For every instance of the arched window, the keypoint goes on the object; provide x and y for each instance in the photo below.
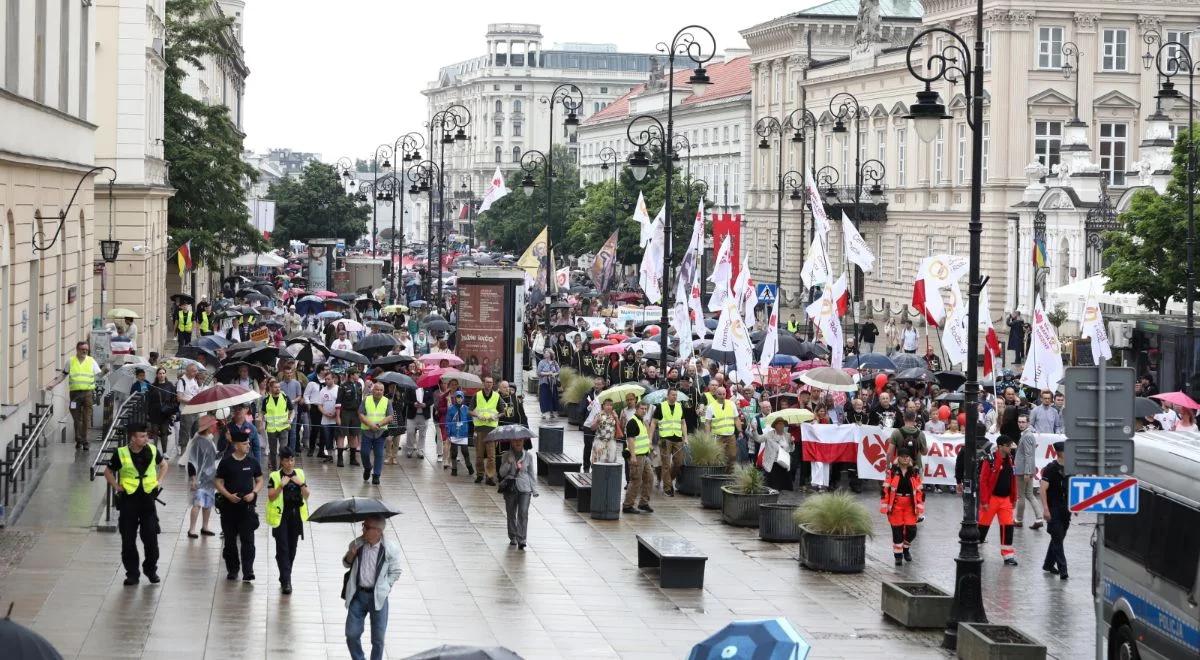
(499, 106)
(516, 106)
(498, 152)
(516, 154)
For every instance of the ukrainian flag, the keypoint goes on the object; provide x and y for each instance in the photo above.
(1039, 254)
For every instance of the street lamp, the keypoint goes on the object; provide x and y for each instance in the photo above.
(343, 168)
(422, 175)
(953, 63)
(531, 160)
(1069, 50)
(609, 155)
(383, 151)
(450, 124)
(683, 43)
(765, 128)
(846, 104)
(571, 98)
(1178, 59)
(406, 149)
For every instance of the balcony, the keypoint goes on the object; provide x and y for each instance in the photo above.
(869, 211)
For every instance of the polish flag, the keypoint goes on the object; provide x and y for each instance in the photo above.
(830, 443)
(991, 342)
(841, 295)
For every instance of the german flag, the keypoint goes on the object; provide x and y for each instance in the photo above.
(184, 257)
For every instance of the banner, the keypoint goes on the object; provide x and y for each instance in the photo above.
(642, 216)
(854, 247)
(1044, 368)
(816, 204)
(729, 224)
(533, 260)
(604, 264)
(650, 274)
(816, 270)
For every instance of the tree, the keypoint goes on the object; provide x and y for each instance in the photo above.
(316, 206)
(203, 145)
(515, 220)
(1148, 256)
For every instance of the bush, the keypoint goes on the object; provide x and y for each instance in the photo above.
(573, 387)
(705, 451)
(835, 514)
(749, 480)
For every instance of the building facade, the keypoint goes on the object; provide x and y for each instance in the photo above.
(713, 128)
(130, 73)
(47, 148)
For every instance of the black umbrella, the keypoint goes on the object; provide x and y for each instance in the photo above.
(351, 509)
(723, 357)
(951, 397)
(916, 375)
(183, 298)
(200, 354)
(346, 296)
(430, 318)
(389, 360)
(264, 356)
(21, 643)
(367, 302)
(302, 334)
(381, 326)
(211, 342)
(350, 356)
(363, 290)
(252, 295)
(876, 361)
(376, 343)
(244, 345)
(509, 432)
(950, 380)
(456, 652)
(563, 327)
(397, 379)
(229, 372)
(560, 305)
(266, 289)
(336, 302)
(907, 361)
(310, 346)
(1143, 407)
(439, 326)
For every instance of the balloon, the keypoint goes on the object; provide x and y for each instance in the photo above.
(595, 334)
(881, 381)
(944, 413)
(962, 420)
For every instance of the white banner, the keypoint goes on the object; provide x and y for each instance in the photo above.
(816, 204)
(722, 276)
(954, 336)
(1044, 369)
(855, 247)
(816, 269)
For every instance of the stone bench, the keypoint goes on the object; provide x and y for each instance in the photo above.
(552, 467)
(680, 564)
(578, 486)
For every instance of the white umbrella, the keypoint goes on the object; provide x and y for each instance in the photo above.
(828, 378)
(262, 259)
(1079, 290)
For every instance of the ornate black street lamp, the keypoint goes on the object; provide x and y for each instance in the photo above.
(344, 168)
(450, 125)
(424, 175)
(531, 160)
(765, 128)
(408, 149)
(571, 99)
(609, 155)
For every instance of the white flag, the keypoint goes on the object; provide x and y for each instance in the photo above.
(816, 204)
(652, 261)
(642, 216)
(771, 340)
(935, 273)
(1092, 327)
(683, 326)
(816, 265)
(562, 278)
(855, 247)
(722, 276)
(743, 293)
(954, 335)
(1044, 369)
(823, 312)
(495, 191)
(688, 288)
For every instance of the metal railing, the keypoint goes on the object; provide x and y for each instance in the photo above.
(21, 456)
(132, 409)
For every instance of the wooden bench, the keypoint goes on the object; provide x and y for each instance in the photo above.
(553, 466)
(578, 485)
(680, 564)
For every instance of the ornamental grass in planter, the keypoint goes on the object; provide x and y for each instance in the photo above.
(704, 456)
(573, 387)
(739, 504)
(836, 527)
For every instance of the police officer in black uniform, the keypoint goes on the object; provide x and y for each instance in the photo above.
(133, 474)
(239, 479)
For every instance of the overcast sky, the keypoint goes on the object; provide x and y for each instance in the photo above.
(339, 78)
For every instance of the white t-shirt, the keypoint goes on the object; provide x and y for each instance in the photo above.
(341, 345)
(910, 339)
(187, 388)
(328, 402)
(1167, 419)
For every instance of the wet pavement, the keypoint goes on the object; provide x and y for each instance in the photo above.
(575, 592)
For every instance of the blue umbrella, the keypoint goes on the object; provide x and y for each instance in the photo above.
(417, 303)
(764, 639)
(876, 361)
(782, 360)
(711, 324)
(329, 315)
(304, 306)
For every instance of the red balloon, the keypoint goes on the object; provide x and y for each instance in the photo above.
(596, 334)
(881, 381)
(944, 413)
(962, 420)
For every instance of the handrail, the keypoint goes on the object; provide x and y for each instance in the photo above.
(12, 472)
(118, 423)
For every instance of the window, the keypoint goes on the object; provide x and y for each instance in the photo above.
(1050, 41)
(603, 90)
(737, 133)
(516, 106)
(1047, 140)
(899, 256)
(725, 137)
(987, 147)
(516, 129)
(12, 45)
(845, 153)
(498, 152)
(704, 140)
(1113, 150)
(499, 126)
(939, 147)
(862, 145)
(953, 246)
(516, 154)
(495, 88)
(961, 157)
(1142, 537)
(1116, 49)
(881, 146)
(499, 106)
(901, 158)
(1171, 52)
(516, 88)
(879, 251)
(987, 49)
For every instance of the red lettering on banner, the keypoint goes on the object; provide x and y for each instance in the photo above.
(874, 449)
(1050, 453)
(934, 470)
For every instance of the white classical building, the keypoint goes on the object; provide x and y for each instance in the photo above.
(712, 129)
(47, 147)
(506, 91)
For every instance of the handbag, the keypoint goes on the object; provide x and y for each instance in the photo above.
(506, 485)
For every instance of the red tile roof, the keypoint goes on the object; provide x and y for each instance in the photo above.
(730, 78)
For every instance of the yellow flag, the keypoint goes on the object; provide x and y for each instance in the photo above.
(533, 260)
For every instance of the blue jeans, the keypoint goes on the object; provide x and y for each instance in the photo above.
(356, 616)
(372, 453)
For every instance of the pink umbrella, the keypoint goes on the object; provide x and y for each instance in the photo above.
(1177, 398)
(434, 358)
(608, 350)
(326, 294)
(218, 397)
(809, 364)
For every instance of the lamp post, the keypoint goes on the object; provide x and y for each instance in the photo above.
(450, 124)
(423, 175)
(343, 168)
(1178, 59)
(765, 128)
(407, 149)
(571, 99)
(467, 197)
(683, 43)
(952, 63)
(846, 104)
(1069, 50)
(531, 160)
(385, 152)
(609, 155)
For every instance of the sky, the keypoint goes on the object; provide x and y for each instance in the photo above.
(340, 78)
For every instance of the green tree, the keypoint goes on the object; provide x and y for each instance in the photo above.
(203, 145)
(316, 206)
(515, 220)
(1148, 255)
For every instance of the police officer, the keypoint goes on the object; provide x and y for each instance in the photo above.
(183, 324)
(287, 511)
(239, 479)
(133, 474)
(672, 434)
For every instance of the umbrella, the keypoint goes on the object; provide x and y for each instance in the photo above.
(435, 358)
(306, 350)
(509, 432)
(563, 327)
(312, 299)
(429, 318)
(122, 313)
(349, 356)
(334, 302)
(764, 639)
(121, 378)
(805, 365)
(347, 297)
(395, 309)
(951, 397)
(617, 393)
(265, 288)
(456, 652)
(389, 360)
(431, 377)
(176, 365)
(182, 298)
(560, 305)
(265, 355)
(950, 380)
(1177, 398)
(397, 379)
(350, 325)
(252, 296)
(230, 371)
(217, 397)
(597, 343)
(711, 324)
(203, 355)
(906, 361)
(381, 326)
(439, 326)
(211, 342)
(418, 303)
(243, 346)
(1143, 407)
(807, 349)
(777, 400)
(916, 375)
(351, 509)
(609, 349)
(828, 378)
(789, 415)
(658, 396)
(784, 361)
(301, 335)
(329, 315)
(647, 347)
(466, 381)
(325, 294)
(723, 357)
(21, 643)
(875, 361)
(376, 343)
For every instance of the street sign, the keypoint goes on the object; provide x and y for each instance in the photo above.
(767, 293)
(1081, 417)
(1103, 495)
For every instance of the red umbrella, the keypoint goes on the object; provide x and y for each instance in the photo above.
(809, 364)
(326, 294)
(618, 337)
(652, 331)
(1177, 398)
(431, 377)
(218, 397)
(597, 343)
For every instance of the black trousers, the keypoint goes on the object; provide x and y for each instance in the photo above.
(287, 535)
(238, 523)
(588, 439)
(314, 429)
(138, 517)
(1056, 557)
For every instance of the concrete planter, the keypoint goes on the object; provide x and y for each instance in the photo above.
(982, 641)
(688, 481)
(833, 554)
(742, 510)
(777, 523)
(710, 489)
(916, 604)
(576, 413)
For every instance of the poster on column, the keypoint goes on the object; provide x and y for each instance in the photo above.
(487, 329)
(729, 224)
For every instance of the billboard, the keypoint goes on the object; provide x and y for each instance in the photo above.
(488, 324)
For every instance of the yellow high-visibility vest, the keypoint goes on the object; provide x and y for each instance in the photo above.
(275, 506)
(183, 321)
(204, 322)
(275, 413)
(641, 443)
(671, 424)
(723, 420)
(792, 327)
(483, 406)
(128, 476)
(376, 412)
(82, 374)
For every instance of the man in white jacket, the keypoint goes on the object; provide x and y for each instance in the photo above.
(374, 567)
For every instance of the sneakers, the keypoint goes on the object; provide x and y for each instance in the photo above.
(646, 508)
(1062, 576)
(247, 577)
(1050, 569)
(366, 475)
(520, 546)
(1010, 561)
(421, 454)
(1036, 525)
(1018, 523)
(374, 481)
(439, 458)
(629, 509)
(899, 560)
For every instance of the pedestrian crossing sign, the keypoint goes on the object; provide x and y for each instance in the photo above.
(767, 293)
